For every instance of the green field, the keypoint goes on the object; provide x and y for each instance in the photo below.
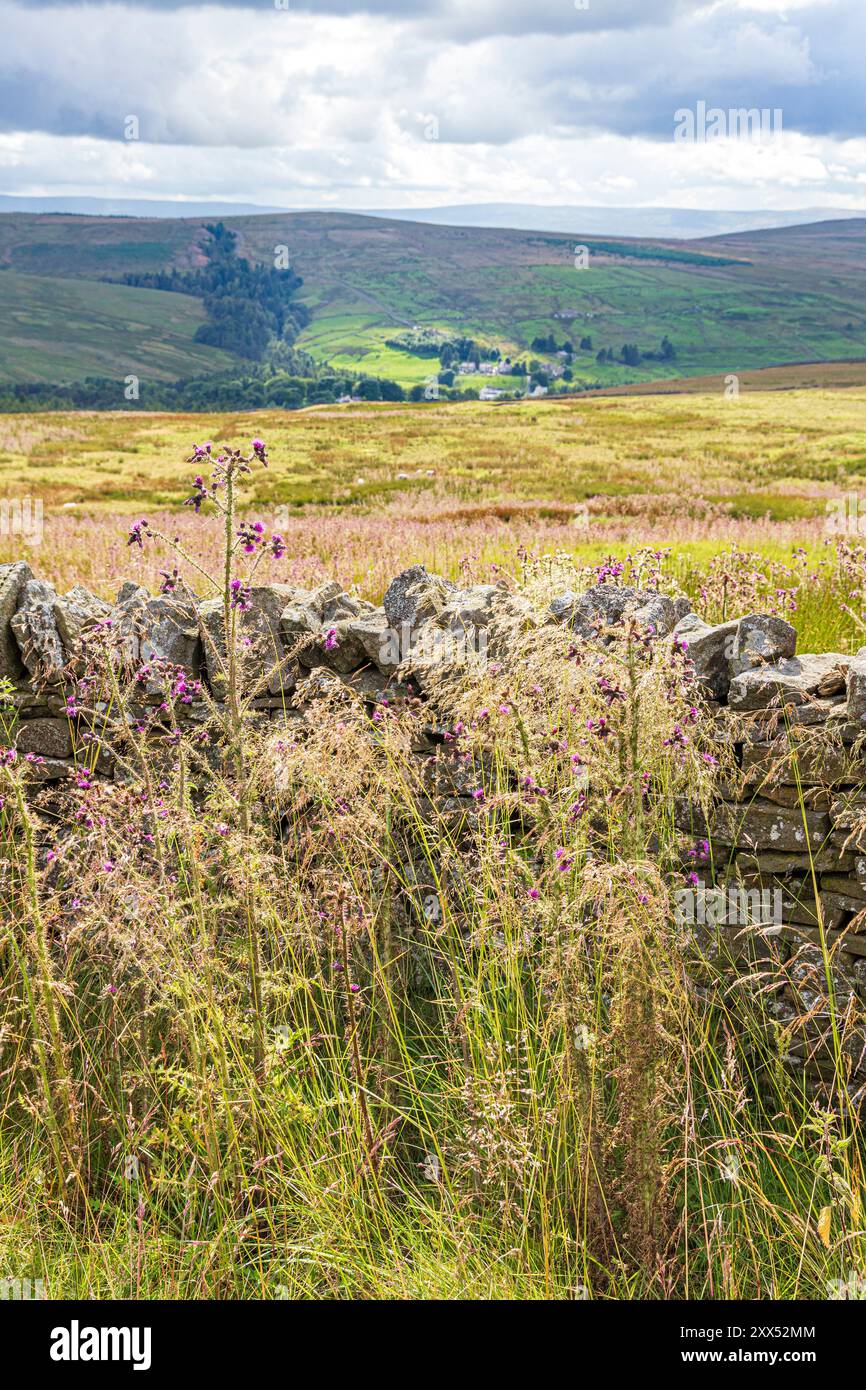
(736, 303)
(64, 330)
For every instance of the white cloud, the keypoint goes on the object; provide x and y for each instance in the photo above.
(333, 102)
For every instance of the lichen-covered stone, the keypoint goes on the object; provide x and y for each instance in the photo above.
(51, 738)
(415, 596)
(856, 689)
(35, 629)
(810, 763)
(148, 629)
(604, 605)
(793, 680)
(76, 613)
(12, 581)
(762, 640)
(264, 656)
(710, 650)
(660, 613)
(608, 605)
(756, 825)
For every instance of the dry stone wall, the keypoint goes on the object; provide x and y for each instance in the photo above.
(779, 869)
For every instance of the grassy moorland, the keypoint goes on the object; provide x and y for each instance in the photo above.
(361, 492)
(276, 1025)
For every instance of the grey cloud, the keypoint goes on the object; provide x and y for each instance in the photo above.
(489, 71)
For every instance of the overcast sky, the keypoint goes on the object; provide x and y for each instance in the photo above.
(389, 104)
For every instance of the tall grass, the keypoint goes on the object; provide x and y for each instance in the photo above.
(392, 1003)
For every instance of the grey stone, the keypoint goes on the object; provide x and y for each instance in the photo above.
(343, 645)
(36, 632)
(710, 649)
(851, 887)
(170, 631)
(473, 610)
(758, 825)
(317, 599)
(780, 863)
(607, 605)
(345, 606)
(812, 762)
(604, 605)
(78, 612)
(660, 612)
(855, 687)
(790, 681)
(161, 628)
(12, 581)
(49, 769)
(373, 636)
(298, 624)
(414, 596)
(127, 619)
(264, 653)
(762, 640)
(798, 903)
(50, 738)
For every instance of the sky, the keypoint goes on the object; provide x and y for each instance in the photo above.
(334, 103)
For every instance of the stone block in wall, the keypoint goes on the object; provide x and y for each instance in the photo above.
(76, 614)
(607, 605)
(35, 628)
(797, 900)
(856, 689)
(12, 581)
(298, 621)
(828, 858)
(851, 943)
(415, 596)
(794, 680)
(756, 825)
(814, 798)
(265, 662)
(709, 649)
(350, 643)
(763, 725)
(49, 769)
(849, 808)
(849, 886)
(162, 628)
(50, 738)
(816, 762)
(761, 640)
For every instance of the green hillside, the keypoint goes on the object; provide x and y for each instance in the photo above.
(59, 330)
(730, 304)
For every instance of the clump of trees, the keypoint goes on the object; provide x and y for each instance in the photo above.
(248, 307)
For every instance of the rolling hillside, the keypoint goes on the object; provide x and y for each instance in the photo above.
(729, 304)
(55, 329)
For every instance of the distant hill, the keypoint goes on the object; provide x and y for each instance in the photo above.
(677, 223)
(665, 222)
(727, 303)
(130, 207)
